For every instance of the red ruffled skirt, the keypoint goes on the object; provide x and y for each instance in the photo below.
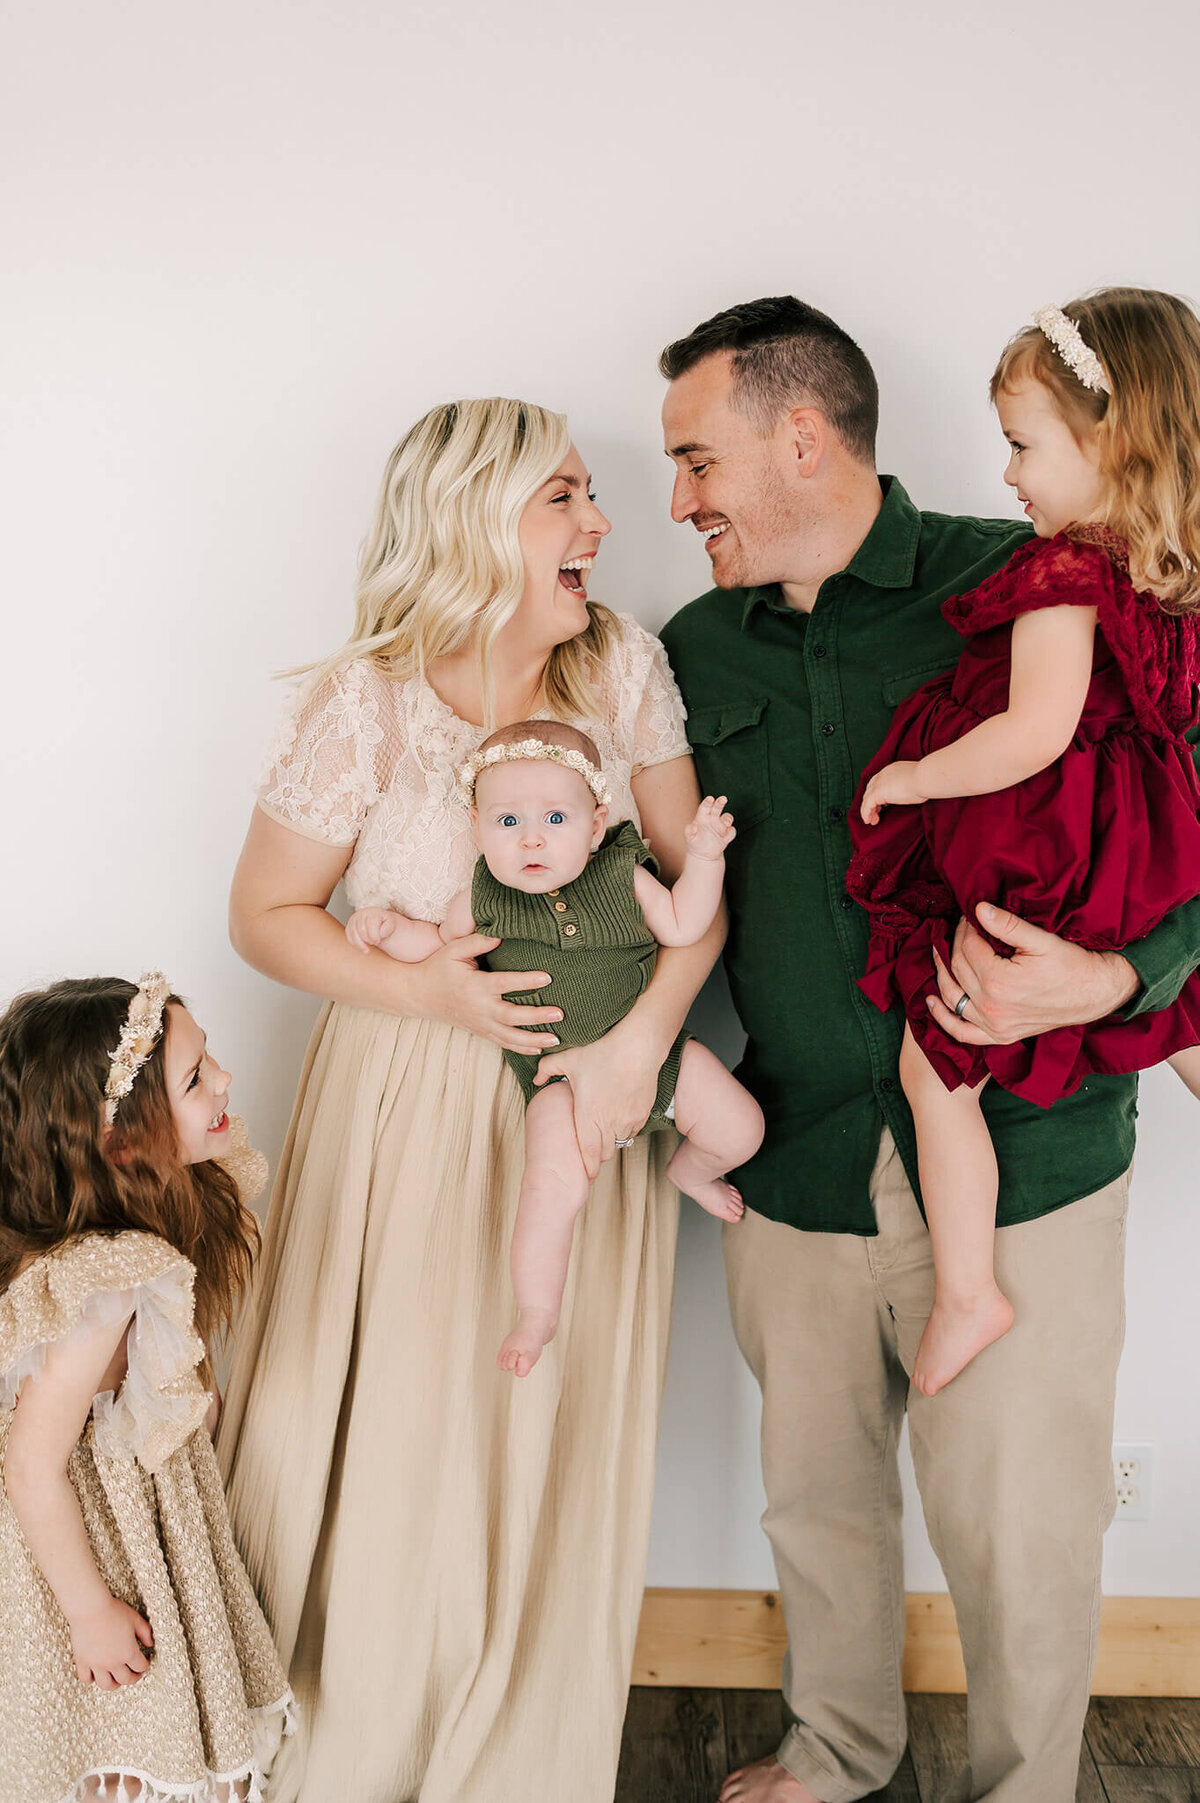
(1098, 848)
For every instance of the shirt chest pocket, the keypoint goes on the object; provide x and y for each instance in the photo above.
(729, 743)
(898, 688)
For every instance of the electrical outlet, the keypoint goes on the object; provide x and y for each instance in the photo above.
(1133, 1472)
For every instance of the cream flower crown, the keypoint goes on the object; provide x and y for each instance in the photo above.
(139, 1036)
(1067, 340)
(520, 749)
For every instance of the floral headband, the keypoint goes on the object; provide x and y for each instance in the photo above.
(521, 749)
(1067, 340)
(139, 1036)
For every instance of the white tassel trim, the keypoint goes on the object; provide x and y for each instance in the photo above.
(271, 1724)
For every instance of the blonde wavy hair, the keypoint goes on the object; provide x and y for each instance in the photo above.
(441, 564)
(1149, 439)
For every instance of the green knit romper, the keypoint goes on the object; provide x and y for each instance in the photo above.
(592, 939)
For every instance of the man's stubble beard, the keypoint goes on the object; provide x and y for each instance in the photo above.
(780, 522)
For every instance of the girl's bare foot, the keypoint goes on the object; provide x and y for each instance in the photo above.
(765, 1781)
(691, 1172)
(523, 1347)
(955, 1332)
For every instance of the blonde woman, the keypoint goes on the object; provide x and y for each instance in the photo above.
(453, 1564)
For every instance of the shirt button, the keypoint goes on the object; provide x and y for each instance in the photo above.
(847, 902)
(886, 1085)
(828, 729)
(559, 907)
(569, 929)
(552, 892)
(820, 650)
(837, 813)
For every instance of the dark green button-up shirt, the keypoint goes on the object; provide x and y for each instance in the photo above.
(784, 710)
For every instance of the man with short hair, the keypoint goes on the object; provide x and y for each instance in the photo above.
(825, 614)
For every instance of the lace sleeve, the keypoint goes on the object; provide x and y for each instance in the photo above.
(321, 772)
(658, 732)
(1043, 572)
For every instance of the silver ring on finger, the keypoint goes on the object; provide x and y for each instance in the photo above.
(624, 1142)
(961, 1003)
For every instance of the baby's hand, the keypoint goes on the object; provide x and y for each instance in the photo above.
(370, 926)
(711, 830)
(896, 785)
(111, 1645)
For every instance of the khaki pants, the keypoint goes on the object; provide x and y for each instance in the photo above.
(1014, 1463)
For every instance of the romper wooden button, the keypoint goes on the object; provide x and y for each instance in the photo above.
(552, 892)
(560, 907)
(568, 930)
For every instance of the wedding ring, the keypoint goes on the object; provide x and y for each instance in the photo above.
(961, 1003)
(624, 1142)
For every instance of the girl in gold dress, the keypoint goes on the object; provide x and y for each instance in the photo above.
(135, 1662)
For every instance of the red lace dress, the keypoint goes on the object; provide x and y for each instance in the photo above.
(1098, 847)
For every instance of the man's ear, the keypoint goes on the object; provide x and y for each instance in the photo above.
(599, 822)
(808, 437)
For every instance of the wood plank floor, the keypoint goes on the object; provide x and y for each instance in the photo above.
(679, 1744)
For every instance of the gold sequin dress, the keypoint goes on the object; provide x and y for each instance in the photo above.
(212, 1707)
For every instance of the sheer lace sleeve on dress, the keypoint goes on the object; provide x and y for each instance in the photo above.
(321, 774)
(654, 701)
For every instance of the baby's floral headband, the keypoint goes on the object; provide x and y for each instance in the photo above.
(139, 1036)
(1067, 340)
(520, 749)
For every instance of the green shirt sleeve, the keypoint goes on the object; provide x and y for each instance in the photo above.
(1166, 958)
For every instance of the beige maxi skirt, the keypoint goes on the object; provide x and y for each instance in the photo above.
(451, 1559)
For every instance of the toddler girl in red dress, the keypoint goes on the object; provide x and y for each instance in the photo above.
(1048, 773)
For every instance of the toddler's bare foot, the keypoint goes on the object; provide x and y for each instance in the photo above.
(954, 1333)
(765, 1781)
(523, 1347)
(691, 1172)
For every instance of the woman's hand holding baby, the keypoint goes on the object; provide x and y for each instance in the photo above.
(448, 986)
(897, 785)
(613, 1085)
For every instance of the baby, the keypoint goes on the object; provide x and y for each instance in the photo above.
(566, 893)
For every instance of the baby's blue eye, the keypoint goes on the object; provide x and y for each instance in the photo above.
(508, 820)
(554, 818)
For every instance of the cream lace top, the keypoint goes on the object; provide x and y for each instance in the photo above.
(371, 760)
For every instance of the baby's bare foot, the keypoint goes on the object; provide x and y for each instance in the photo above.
(719, 1198)
(691, 1172)
(765, 1781)
(954, 1333)
(523, 1348)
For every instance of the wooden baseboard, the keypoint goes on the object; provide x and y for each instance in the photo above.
(734, 1640)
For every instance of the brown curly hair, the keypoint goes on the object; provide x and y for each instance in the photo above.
(1149, 439)
(62, 1175)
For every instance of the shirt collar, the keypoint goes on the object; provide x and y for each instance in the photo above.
(887, 557)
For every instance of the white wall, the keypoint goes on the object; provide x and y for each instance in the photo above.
(246, 244)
